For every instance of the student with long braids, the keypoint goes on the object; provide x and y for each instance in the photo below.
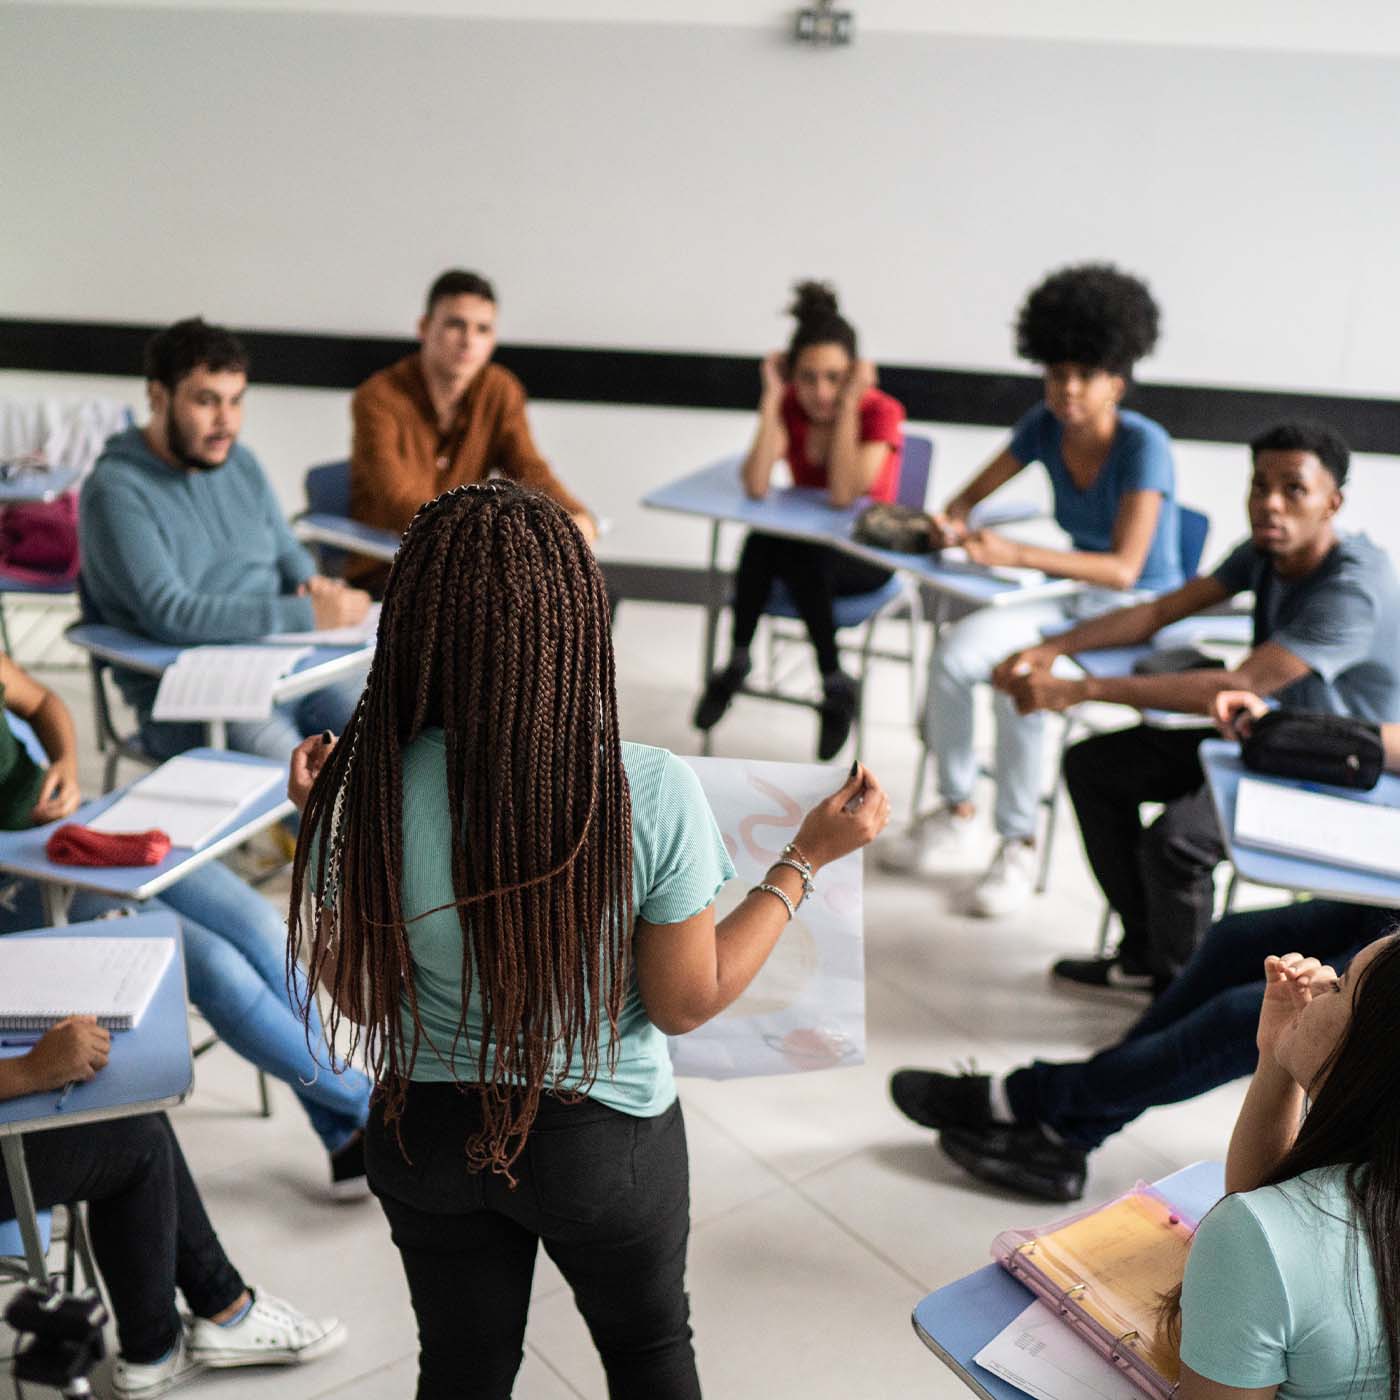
(1292, 1286)
(822, 414)
(518, 907)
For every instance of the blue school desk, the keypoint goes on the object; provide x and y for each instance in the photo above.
(26, 484)
(22, 852)
(955, 1322)
(322, 667)
(1221, 760)
(714, 493)
(150, 1068)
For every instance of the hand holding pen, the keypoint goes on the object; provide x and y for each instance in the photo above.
(70, 1053)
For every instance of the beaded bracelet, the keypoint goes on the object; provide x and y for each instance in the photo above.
(790, 851)
(804, 871)
(773, 889)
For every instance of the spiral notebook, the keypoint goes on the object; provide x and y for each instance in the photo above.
(45, 980)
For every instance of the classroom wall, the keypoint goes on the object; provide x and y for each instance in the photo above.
(658, 184)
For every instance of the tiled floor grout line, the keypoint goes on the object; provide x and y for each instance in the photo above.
(554, 1370)
(346, 1382)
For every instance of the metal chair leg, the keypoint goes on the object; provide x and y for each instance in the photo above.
(1105, 929)
(264, 1098)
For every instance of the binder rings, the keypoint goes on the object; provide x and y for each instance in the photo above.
(1106, 1273)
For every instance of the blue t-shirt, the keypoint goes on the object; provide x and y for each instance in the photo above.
(1343, 620)
(1140, 459)
(679, 864)
(1280, 1290)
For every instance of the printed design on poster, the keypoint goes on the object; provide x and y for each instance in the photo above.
(806, 1009)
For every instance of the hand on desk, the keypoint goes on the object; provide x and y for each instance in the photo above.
(334, 603)
(991, 549)
(308, 758)
(58, 793)
(71, 1052)
(947, 531)
(1234, 712)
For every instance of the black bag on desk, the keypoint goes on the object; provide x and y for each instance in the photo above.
(888, 526)
(1333, 749)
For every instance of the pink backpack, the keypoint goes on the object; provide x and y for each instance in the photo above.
(39, 541)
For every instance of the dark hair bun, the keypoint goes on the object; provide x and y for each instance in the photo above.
(814, 301)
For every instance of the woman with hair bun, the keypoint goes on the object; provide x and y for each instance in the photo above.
(821, 412)
(1114, 490)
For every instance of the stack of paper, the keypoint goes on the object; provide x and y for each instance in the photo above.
(224, 682)
(1347, 831)
(1040, 1355)
(46, 980)
(190, 799)
(358, 634)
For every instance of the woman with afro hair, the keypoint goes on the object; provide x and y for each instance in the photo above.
(1114, 491)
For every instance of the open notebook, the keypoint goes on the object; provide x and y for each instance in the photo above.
(45, 980)
(190, 799)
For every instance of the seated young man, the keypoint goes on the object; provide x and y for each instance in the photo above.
(1326, 638)
(1032, 1130)
(444, 416)
(183, 541)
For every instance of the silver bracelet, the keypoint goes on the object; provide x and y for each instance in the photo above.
(805, 871)
(773, 889)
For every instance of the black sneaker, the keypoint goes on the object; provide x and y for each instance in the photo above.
(840, 700)
(722, 688)
(348, 1179)
(1020, 1158)
(934, 1100)
(1105, 976)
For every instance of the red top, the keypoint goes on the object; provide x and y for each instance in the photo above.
(881, 420)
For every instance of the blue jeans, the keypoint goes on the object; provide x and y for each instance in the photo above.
(274, 737)
(235, 951)
(1199, 1032)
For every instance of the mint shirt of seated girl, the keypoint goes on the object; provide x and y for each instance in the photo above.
(679, 865)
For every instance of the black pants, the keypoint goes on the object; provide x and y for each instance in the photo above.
(149, 1230)
(813, 574)
(1158, 878)
(607, 1194)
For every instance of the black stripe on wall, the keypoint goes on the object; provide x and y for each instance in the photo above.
(668, 379)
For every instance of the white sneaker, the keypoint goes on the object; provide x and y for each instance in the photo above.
(270, 1333)
(928, 846)
(135, 1380)
(1009, 881)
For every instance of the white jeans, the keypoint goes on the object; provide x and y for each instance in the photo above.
(967, 653)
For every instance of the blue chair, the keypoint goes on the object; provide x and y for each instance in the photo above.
(328, 493)
(897, 597)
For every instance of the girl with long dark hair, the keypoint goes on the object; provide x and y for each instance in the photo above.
(517, 907)
(821, 413)
(1293, 1282)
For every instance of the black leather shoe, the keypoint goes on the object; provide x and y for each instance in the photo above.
(1107, 977)
(934, 1100)
(1020, 1158)
(840, 700)
(722, 688)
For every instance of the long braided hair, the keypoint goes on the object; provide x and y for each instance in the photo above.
(495, 628)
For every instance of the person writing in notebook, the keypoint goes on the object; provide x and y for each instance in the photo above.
(519, 907)
(1114, 487)
(234, 939)
(1033, 1129)
(1326, 638)
(150, 1234)
(441, 417)
(183, 542)
(821, 413)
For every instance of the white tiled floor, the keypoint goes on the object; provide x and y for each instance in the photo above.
(820, 1215)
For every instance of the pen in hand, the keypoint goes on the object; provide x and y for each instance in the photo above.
(63, 1097)
(855, 803)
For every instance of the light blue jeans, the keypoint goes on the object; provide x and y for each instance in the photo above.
(966, 655)
(274, 737)
(235, 951)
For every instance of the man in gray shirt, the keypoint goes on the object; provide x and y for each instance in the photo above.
(1326, 637)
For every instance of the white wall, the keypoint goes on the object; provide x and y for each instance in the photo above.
(659, 185)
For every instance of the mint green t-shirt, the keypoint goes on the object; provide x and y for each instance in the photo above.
(1280, 1290)
(679, 864)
